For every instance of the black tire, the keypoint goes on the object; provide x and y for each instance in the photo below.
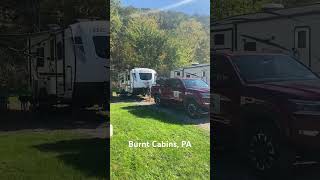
(192, 109)
(267, 153)
(158, 100)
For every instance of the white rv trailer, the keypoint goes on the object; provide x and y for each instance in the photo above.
(291, 31)
(71, 65)
(201, 71)
(136, 81)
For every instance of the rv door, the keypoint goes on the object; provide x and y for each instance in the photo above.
(302, 45)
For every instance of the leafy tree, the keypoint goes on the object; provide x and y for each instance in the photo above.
(188, 37)
(159, 40)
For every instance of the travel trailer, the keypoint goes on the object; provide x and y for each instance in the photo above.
(136, 81)
(201, 71)
(70, 65)
(292, 31)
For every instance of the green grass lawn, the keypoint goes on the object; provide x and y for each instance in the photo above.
(142, 123)
(52, 155)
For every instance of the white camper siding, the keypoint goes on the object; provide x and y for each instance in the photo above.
(87, 59)
(36, 43)
(73, 68)
(176, 73)
(43, 74)
(282, 35)
(198, 71)
(202, 72)
(130, 81)
(274, 32)
(285, 35)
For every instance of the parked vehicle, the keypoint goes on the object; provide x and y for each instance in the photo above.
(295, 32)
(137, 81)
(70, 65)
(268, 105)
(193, 94)
(201, 71)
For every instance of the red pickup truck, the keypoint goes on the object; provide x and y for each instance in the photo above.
(193, 94)
(268, 105)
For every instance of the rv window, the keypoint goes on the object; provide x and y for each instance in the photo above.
(188, 75)
(250, 46)
(145, 76)
(40, 59)
(219, 39)
(302, 39)
(59, 50)
(203, 73)
(101, 45)
(178, 73)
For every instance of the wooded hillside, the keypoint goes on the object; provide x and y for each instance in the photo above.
(159, 40)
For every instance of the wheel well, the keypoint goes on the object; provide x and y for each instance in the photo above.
(253, 114)
(188, 99)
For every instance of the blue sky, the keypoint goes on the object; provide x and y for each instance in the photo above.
(201, 7)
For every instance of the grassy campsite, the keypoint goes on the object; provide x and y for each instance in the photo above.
(143, 123)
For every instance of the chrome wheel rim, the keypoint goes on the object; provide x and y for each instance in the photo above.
(262, 152)
(192, 109)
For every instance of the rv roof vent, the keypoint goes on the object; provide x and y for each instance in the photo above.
(195, 64)
(272, 7)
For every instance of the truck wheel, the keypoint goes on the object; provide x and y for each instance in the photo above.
(192, 109)
(157, 100)
(267, 153)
